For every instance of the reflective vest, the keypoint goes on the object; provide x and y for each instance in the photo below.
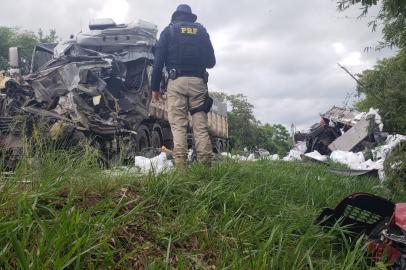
(187, 49)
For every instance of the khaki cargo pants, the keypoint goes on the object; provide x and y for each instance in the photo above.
(186, 93)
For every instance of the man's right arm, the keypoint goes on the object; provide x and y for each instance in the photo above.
(161, 53)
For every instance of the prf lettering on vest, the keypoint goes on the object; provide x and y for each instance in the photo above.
(188, 30)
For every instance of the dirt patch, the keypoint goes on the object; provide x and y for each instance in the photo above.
(82, 200)
(139, 246)
(136, 246)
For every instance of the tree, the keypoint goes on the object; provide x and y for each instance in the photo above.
(274, 138)
(243, 128)
(246, 131)
(50, 38)
(384, 87)
(25, 40)
(392, 14)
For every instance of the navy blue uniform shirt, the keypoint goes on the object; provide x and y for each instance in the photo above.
(161, 56)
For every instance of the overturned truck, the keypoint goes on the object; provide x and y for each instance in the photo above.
(95, 87)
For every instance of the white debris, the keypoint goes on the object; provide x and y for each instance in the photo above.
(355, 161)
(316, 155)
(352, 160)
(190, 153)
(143, 163)
(378, 118)
(235, 157)
(301, 146)
(381, 175)
(296, 152)
(273, 157)
(384, 151)
(157, 164)
(348, 139)
(371, 165)
(293, 155)
(364, 115)
(263, 153)
(225, 154)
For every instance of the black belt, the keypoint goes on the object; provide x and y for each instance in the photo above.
(174, 73)
(190, 74)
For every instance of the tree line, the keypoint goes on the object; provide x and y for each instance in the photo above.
(384, 86)
(246, 131)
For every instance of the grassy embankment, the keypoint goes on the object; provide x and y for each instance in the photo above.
(60, 210)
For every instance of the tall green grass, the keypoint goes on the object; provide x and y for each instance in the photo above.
(61, 210)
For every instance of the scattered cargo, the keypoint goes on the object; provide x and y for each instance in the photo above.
(355, 139)
(343, 129)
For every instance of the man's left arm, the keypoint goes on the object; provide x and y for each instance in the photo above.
(211, 58)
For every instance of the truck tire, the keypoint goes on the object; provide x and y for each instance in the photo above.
(142, 138)
(167, 137)
(156, 141)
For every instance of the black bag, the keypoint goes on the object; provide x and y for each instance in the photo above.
(205, 107)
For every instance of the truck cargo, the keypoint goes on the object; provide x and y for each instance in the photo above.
(94, 87)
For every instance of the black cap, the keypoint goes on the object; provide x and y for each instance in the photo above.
(184, 9)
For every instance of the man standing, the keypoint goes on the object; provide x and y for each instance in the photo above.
(185, 49)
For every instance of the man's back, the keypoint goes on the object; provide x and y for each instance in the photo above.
(183, 45)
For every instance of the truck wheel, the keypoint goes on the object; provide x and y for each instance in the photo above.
(167, 137)
(216, 146)
(142, 138)
(156, 141)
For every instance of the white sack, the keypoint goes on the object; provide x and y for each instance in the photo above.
(157, 164)
(316, 155)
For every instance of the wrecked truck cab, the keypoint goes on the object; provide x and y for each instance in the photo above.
(93, 87)
(103, 92)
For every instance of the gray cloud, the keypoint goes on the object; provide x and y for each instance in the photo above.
(281, 54)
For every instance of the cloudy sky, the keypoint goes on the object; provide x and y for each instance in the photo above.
(282, 54)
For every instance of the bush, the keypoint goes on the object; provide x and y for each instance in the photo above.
(395, 168)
